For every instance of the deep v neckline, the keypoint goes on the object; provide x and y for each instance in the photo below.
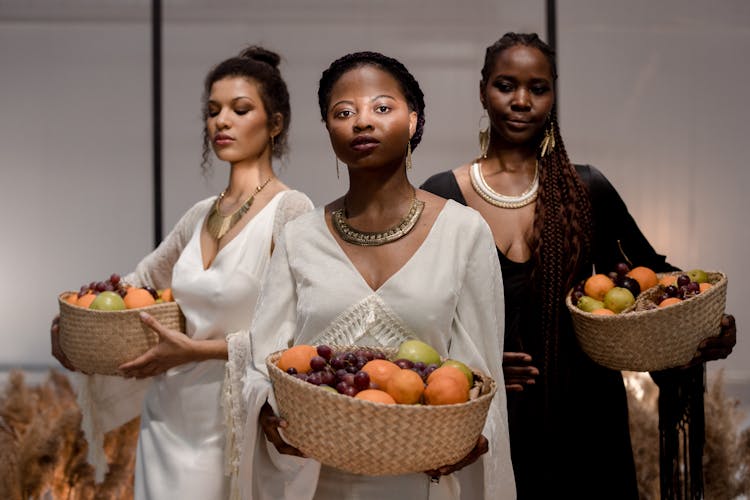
(355, 270)
(221, 250)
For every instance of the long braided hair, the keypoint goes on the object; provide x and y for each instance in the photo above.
(561, 237)
(409, 85)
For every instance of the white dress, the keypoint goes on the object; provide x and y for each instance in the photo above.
(448, 294)
(181, 446)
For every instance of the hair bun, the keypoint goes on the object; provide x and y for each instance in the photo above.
(262, 55)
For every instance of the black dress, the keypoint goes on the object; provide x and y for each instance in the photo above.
(589, 453)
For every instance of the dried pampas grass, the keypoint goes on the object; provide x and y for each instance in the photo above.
(43, 451)
(726, 455)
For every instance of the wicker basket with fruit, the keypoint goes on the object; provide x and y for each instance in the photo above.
(100, 326)
(660, 327)
(412, 419)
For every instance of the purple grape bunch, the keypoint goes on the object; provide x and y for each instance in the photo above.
(112, 284)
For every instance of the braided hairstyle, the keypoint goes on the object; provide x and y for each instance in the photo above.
(409, 85)
(561, 237)
(259, 66)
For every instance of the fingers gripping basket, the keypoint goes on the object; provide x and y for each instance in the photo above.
(100, 341)
(648, 338)
(363, 437)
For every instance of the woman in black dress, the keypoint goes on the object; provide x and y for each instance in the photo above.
(554, 222)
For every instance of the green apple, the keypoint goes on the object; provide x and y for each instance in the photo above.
(461, 366)
(618, 299)
(698, 275)
(108, 301)
(416, 350)
(589, 304)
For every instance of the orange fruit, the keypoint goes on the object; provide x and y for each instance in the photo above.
(704, 286)
(446, 391)
(603, 312)
(380, 370)
(166, 295)
(138, 297)
(297, 357)
(670, 301)
(405, 386)
(448, 371)
(597, 286)
(86, 299)
(644, 276)
(71, 298)
(668, 280)
(375, 395)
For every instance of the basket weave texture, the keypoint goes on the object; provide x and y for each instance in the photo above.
(376, 439)
(100, 341)
(648, 338)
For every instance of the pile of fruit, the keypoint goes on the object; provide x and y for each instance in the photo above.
(416, 375)
(617, 291)
(113, 294)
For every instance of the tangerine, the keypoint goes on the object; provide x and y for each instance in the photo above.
(138, 297)
(375, 395)
(446, 391)
(597, 286)
(668, 280)
(166, 295)
(448, 371)
(380, 370)
(670, 301)
(645, 277)
(71, 298)
(704, 286)
(86, 299)
(406, 386)
(297, 357)
(603, 312)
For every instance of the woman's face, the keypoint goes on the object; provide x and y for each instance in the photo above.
(236, 120)
(518, 94)
(368, 119)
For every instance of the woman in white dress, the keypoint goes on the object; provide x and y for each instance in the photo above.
(214, 260)
(381, 264)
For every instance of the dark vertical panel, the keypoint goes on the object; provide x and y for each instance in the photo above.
(156, 22)
(552, 36)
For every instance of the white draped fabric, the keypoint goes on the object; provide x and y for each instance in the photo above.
(448, 294)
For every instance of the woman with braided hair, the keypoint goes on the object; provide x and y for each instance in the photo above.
(551, 224)
(354, 273)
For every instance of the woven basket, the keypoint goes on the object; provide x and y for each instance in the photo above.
(648, 338)
(376, 439)
(100, 341)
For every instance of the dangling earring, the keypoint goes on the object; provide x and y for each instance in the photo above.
(548, 141)
(337, 166)
(273, 145)
(408, 155)
(484, 135)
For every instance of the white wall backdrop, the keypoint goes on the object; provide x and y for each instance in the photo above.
(652, 94)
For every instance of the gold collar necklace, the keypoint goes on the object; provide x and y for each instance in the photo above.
(500, 200)
(218, 225)
(367, 239)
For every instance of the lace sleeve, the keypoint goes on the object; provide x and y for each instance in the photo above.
(155, 269)
(292, 205)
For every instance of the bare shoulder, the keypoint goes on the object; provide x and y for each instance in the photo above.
(462, 175)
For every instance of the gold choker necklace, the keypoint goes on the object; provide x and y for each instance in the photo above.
(218, 225)
(367, 239)
(500, 200)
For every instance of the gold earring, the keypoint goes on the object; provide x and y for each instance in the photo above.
(484, 135)
(337, 167)
(408, 155)
(548, 141)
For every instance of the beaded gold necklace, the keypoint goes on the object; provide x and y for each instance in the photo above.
(373, 239)
(218, 225)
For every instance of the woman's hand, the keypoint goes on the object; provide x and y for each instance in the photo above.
(719, 346)
(518, 371)
(174, 348)
(479, 449)
(57, 352)
(270, 423)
